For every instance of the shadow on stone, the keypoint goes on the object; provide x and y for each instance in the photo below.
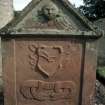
(1, 99)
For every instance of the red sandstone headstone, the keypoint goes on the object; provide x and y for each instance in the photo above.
(46, 61)
(48, 71)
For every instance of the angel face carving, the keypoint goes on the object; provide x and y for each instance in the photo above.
(51, 11)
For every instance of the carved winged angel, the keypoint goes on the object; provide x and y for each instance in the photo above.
(52, 13)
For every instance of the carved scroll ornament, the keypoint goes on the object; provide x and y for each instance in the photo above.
(52, 91)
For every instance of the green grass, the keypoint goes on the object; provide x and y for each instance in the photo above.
(101, 71)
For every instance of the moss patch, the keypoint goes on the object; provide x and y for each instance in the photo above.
(101, 72)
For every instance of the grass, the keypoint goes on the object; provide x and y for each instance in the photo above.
(101, 72)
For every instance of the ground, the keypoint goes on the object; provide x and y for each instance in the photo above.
(100, 94)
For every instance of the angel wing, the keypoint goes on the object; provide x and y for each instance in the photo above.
(64, 23)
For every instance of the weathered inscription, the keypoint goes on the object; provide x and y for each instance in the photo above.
(52, 91)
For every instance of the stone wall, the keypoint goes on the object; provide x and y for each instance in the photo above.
(101, 43)
(6, 15)
(6, 12)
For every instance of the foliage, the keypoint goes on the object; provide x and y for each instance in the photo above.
(93, 9)
(101, 72)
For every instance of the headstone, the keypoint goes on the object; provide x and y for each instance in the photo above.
(46, 60)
